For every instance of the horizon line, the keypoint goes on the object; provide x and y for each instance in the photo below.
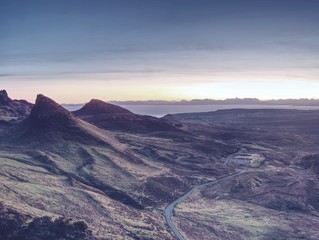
(199, 100)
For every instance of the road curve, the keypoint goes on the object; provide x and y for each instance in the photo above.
(170, 208)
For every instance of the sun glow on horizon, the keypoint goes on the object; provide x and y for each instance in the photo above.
(159, 50)
(125, 90)
(263, 90)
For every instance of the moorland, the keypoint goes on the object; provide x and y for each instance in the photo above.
(104, 172)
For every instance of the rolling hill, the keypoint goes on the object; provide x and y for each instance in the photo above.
(111, 117)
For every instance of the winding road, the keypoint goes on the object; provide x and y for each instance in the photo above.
(170, 208)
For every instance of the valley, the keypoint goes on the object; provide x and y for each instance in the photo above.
(227, 174)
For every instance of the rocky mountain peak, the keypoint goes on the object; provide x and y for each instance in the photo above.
(4, 98)
(13, 108)
(45, 109)
(96, 106)
(3, 93)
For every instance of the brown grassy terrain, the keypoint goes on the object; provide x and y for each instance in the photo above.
(277, 199)
(54, 164)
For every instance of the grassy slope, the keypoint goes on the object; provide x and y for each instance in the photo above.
(104, 177)
(37, 191)
(97, 181)
(278, 200)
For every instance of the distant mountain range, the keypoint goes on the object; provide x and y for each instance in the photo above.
(229, 101)
(300, 102)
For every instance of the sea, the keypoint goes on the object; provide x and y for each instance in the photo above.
(162, 110)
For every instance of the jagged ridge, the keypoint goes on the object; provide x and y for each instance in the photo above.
(13, 108)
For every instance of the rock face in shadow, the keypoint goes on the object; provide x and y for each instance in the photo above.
(111, 117)
(13, 108)
(311, 163)
(14, 225)
(50, 122)
(46, 113)
(4, 98)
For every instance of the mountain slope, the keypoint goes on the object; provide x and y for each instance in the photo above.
(96, 106)
(111, 117)
(49, 122)
(55, 164)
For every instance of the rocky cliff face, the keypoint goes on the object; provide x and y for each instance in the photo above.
(47, 113)
(49, 122)
(13, 108)
(15, 225)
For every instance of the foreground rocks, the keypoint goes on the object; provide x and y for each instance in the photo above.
(14, 225)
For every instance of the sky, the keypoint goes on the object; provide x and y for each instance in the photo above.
(75, 50)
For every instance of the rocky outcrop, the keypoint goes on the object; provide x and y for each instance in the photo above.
(14, 225)
(13, 108)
